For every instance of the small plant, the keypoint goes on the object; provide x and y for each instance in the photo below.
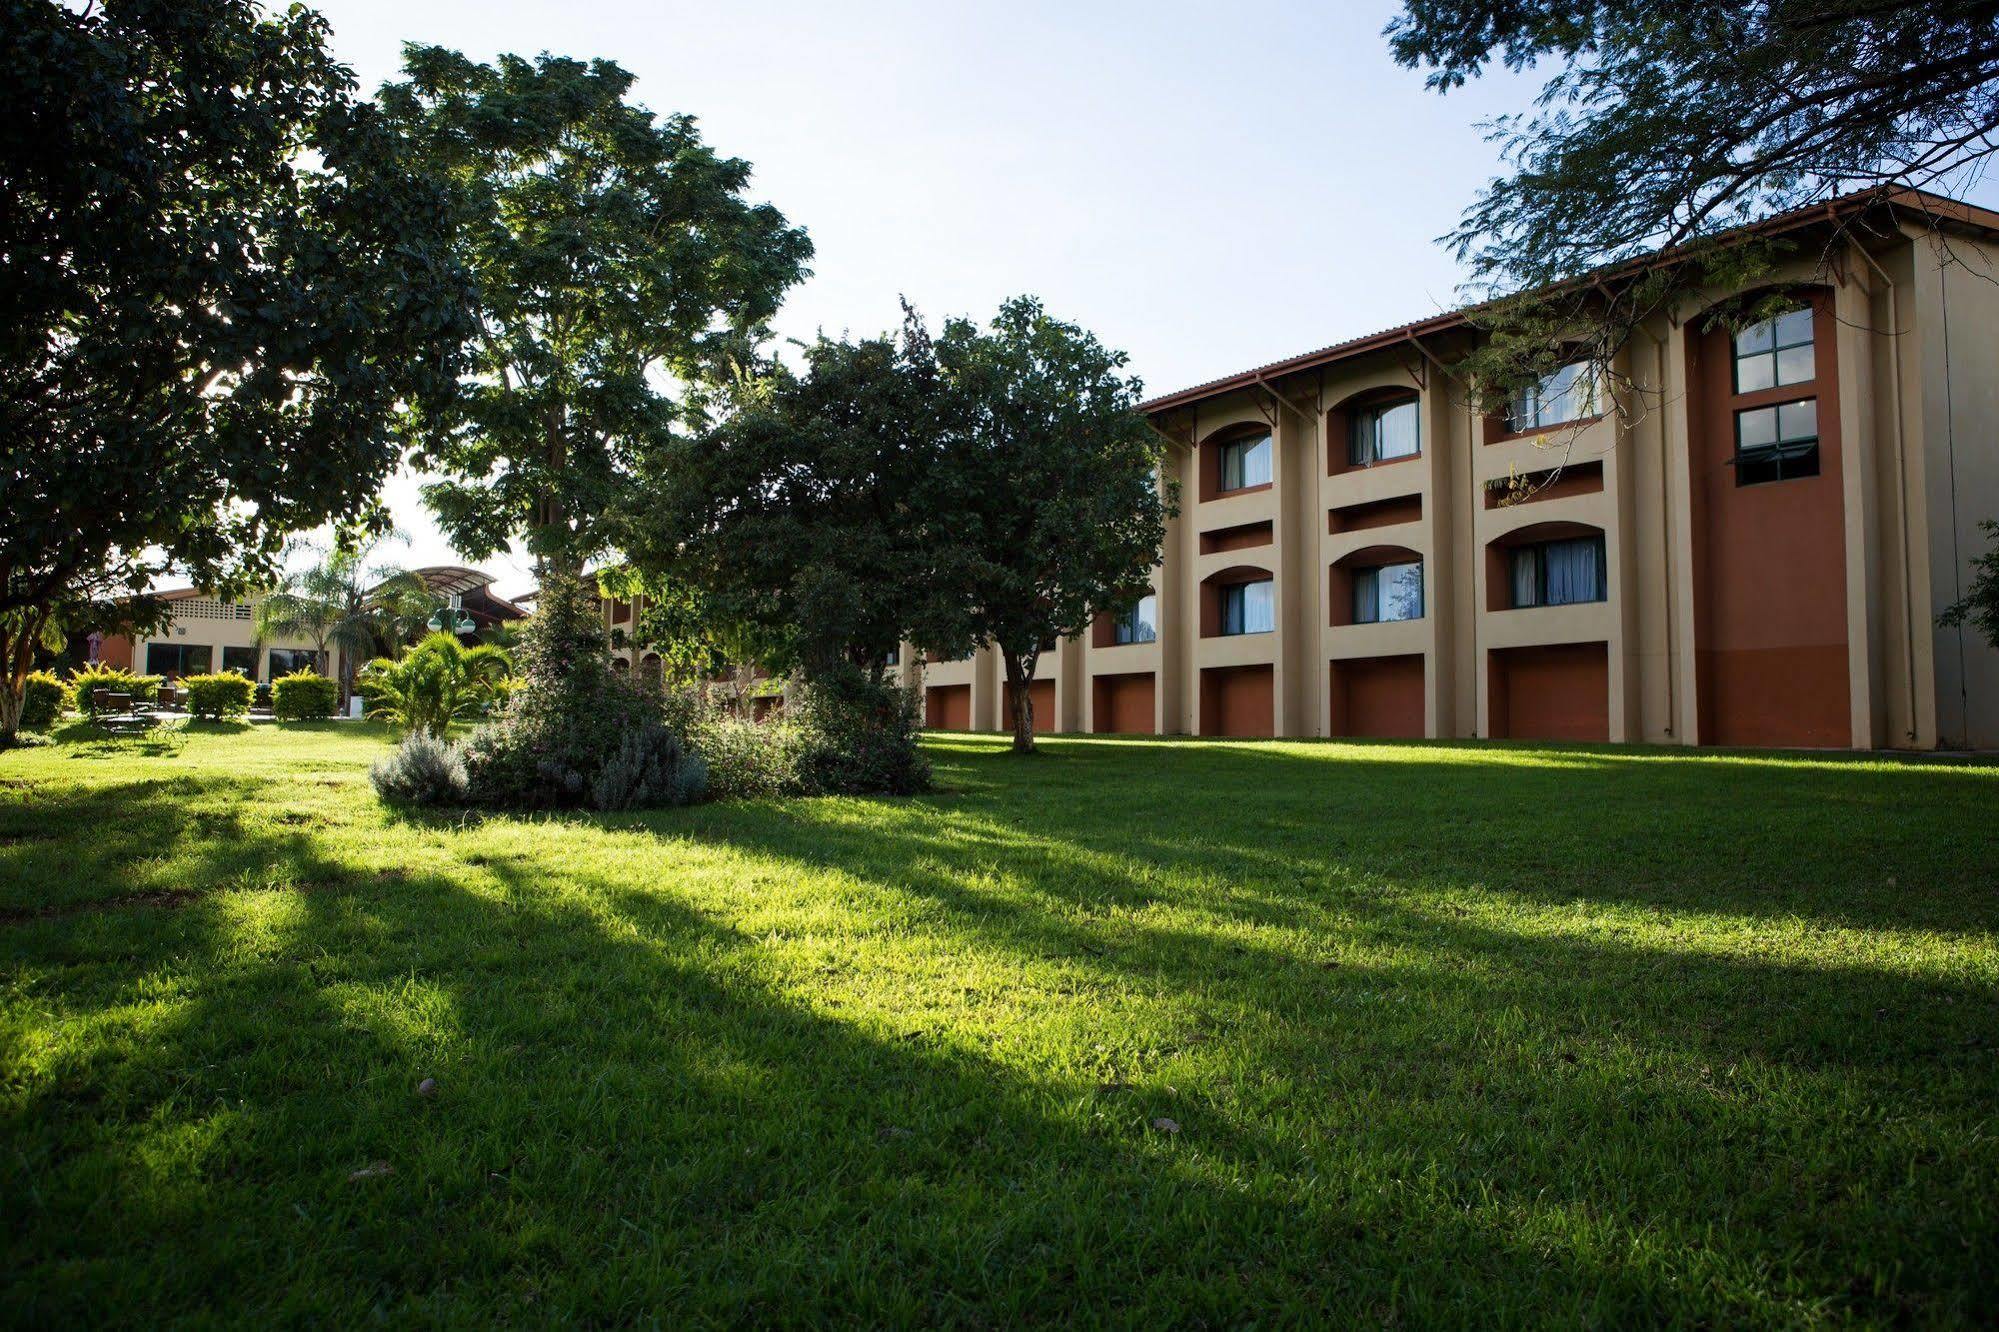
(84, 685)
(748, 760)
(213, 697)
(423, 770)
(435, 683)
(649, 769)
(860, 737)
(303, 696)
(1979, 607)
(44, 698)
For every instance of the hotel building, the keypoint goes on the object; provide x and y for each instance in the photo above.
(1740, 537)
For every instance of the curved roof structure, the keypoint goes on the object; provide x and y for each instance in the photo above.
(453, 580)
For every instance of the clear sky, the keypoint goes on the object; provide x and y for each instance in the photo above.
(1208, 187)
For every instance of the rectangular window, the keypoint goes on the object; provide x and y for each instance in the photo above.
(1246, 463)
(1388, 592)
(286, 660)
(177, 659)
(1777, 443)
(1569, 394)
(242, 660)
(894, 657)
(1775, 353)
(1140, 624)
(1249, 608)
(1385, 432)
(1560, 573)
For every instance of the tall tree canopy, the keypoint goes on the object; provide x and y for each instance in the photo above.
(804, 514)
(220, 281)
(1047, 494)
(619, 268)
(1666, 123)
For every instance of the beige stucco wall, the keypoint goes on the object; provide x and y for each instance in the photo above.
(204, 620)
(1919, 410)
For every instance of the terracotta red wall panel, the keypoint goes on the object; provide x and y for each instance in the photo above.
(1378, 696)
(1557, 692)
(1238, 700)
(948, 707)
(1770, 564)
(1123, 704)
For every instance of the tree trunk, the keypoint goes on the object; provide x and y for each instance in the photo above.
(1020, 684)
(17, 654)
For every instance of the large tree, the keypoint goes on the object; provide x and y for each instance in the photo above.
(1046, 495)
(220, 280)
(803, 514)
(1666, 124)
(619, 268)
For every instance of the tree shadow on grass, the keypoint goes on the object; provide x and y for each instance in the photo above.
(1841, 841)
(635, 1121)
(663, 1102)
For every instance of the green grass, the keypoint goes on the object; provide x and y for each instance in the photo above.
(1450, 1033)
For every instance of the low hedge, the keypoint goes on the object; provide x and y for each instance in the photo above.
(85, 683)
(224, 694)
(44, 698)
(303, 696)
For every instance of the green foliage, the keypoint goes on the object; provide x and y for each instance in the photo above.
(221, 281)
(651, 768)
(434, 683)
(616, 255)
(847, 733)
(86, 681)
(860, 737)
(748, 760)
(422, 770)
(304, 696)
(568, 716)
(1979, 607)
(213, 697)
(44, 698)
(803, 518)
(339, 599)
(1665, 125)
(1047, 495)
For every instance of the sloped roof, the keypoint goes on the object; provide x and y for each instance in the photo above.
(1933, 207)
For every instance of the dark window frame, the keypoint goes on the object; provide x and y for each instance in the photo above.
(180, 653)
(1124, 628)
(1590, 409)
(1364, 431)
(1239, 594)
(1242, 445)
(1373, 573)
(1737, 356)
(1538, 552)
(1782, 459)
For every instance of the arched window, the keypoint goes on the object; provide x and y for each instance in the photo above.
(1548, 564)
(1246, 462)
(1242, 600)
(1383, 431)
(1572, 393)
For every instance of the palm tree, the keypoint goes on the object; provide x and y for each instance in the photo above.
(341, 601)
(435, 683)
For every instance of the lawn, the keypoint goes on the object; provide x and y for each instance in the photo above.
(1130, 1033)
